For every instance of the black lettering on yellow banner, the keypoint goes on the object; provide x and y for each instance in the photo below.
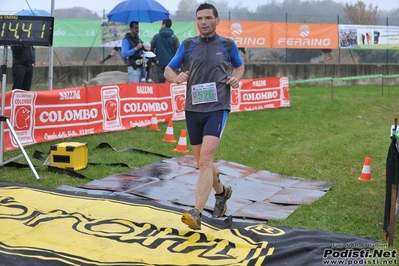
(81, 230)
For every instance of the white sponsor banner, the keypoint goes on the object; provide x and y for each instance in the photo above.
(368, 37)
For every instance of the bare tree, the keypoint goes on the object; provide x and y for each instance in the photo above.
(361, 14)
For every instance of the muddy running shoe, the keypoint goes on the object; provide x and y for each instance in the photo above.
(220, 204)
(192, 218)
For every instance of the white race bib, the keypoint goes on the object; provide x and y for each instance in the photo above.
(204, 93)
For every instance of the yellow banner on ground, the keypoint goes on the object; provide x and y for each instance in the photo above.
(80, 230)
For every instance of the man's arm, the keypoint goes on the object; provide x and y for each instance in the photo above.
(237, 74)
(170, 74)
(126, 51)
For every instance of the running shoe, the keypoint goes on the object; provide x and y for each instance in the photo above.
(220, 204)
(192, 218)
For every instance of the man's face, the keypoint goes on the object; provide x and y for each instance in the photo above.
(206, 22)
(135, 29)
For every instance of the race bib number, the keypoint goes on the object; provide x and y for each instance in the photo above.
(204, 93)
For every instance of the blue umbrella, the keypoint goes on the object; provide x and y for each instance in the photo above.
(34, 12)
(138, 10)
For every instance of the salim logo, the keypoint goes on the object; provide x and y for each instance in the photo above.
(236, 30)
(304, 39)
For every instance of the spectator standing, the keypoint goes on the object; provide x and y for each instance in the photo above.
(207, 60)
(164, 44)
(23, 63)
(132, 52)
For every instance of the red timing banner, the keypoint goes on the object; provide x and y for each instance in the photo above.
(40, 116)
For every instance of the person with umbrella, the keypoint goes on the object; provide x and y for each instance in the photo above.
(133, 12)
(132, 52)
(205, 62)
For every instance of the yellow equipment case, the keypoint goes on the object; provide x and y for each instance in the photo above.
(69, 155)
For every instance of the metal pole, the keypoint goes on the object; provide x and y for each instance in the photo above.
(387, 51)
(339, 48)
(286, 49)
(3, 99)
(14, 134)
(51, 57)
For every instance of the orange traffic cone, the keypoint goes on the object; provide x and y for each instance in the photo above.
(154, 122)
(169, 136)
(366, 174)
(182, 144)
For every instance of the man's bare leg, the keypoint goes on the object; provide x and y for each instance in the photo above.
(204, 156)
(208, 178)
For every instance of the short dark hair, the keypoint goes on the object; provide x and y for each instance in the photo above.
(167, 23)
(208, 6)
(132, 23)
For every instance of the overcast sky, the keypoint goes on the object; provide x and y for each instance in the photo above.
(171, 5)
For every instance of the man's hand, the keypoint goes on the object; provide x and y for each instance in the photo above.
(233, 82)
(182, 77)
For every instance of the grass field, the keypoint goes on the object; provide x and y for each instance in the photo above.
(316, 138)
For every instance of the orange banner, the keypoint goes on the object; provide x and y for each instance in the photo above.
(41, 116)
(246, 33)
(303, 35)
(280, 34)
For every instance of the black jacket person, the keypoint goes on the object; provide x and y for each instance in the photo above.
(23, 62)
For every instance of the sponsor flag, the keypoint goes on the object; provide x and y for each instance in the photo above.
(77, 33)
(304, 35)
(246, 33)
(368, 37)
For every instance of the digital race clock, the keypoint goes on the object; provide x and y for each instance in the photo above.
(26, 30)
